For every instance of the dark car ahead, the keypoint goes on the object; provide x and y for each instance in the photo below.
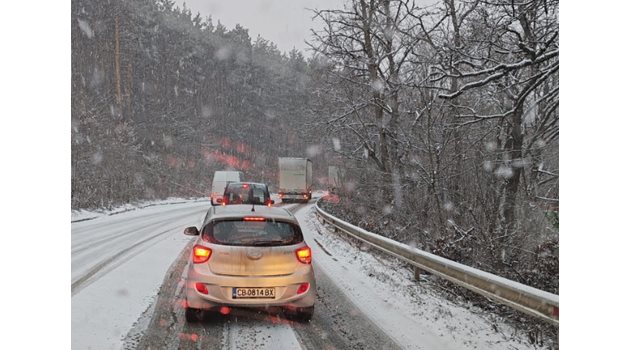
(247, 193)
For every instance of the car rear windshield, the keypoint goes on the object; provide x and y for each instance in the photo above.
(245, 194)
(252, 233)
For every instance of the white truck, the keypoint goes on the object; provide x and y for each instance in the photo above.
(220, 180)
(295, 179)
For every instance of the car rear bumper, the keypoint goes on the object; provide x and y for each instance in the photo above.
(220, 290)
(286, 197)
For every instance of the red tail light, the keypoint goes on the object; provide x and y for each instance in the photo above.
(245, 185)
(201, 288)
(253, 218)
(304, 255)
(201, 254)
(303, 288)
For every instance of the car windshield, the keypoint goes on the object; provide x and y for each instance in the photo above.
(252, 233)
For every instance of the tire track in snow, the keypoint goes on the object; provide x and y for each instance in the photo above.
(103, 226)
(117, 234)
(81, 282)
(110, 243)
(166, 321)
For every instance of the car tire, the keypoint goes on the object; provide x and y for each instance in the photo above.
(304, 314)
(194, 315)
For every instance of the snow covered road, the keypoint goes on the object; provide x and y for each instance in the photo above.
(127, 293)
(118, 264)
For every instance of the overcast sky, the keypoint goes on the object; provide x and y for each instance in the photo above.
(285, 22)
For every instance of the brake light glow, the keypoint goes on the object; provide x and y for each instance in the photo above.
(245, 185)
(201, 254)
(303, 288)
(201, 288)
(304, 255)
(253, 218)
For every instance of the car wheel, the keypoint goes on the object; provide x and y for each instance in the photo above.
(304, 314)
(194, 315)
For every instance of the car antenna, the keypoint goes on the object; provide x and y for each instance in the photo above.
(253, 207)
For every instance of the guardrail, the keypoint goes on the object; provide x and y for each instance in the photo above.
(532, 301)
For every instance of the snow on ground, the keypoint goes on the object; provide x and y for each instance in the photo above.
(412, 313)
(262, 336)
(82, 214)
(104, 310)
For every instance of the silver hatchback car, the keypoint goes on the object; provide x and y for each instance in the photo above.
(249, 256)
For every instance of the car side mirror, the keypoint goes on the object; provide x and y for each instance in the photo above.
(191, 231)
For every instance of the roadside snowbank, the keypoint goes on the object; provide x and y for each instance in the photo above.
(83, 214)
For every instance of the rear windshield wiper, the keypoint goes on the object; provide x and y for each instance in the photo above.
(264, 243)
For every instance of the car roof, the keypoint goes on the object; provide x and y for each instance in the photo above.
(239, 211)
(246, 183)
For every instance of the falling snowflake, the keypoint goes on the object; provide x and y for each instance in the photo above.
(85, 28)
(223, 53)
(97, 158)
(491, 146)
(336, 144)
(377, 85)
(504, 172)
(313, 150)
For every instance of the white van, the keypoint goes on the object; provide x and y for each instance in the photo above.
(220, 180)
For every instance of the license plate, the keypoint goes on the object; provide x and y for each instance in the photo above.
(253, 293)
